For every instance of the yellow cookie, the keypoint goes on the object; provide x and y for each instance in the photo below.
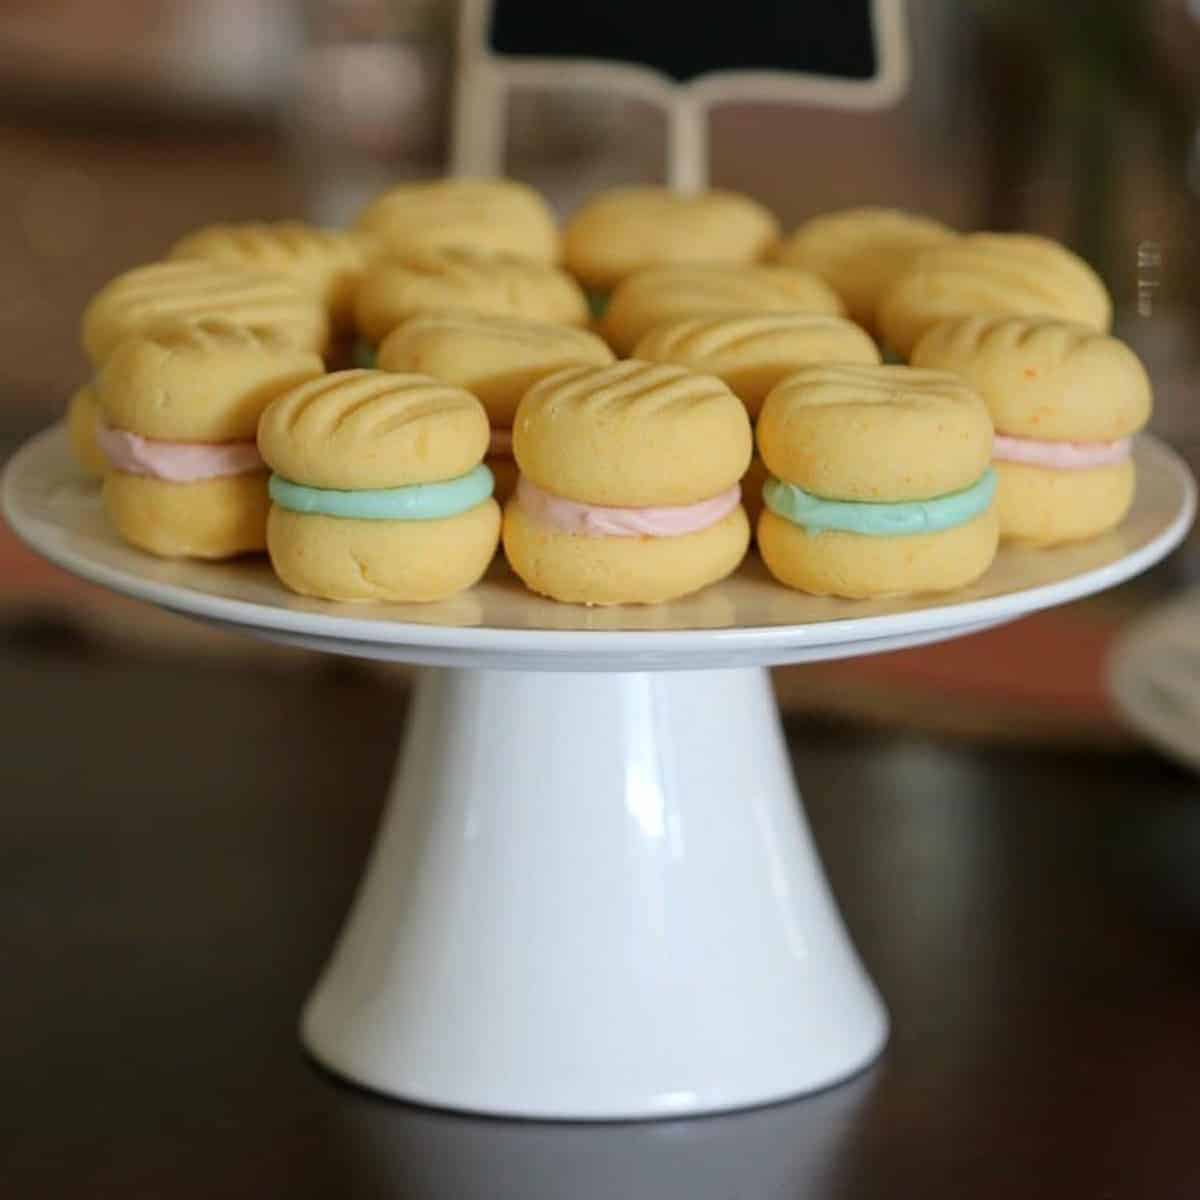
(1065, 400)
(209, 518)
(1042, 378)
(1047, 507)
(995, 274)
(357, 430)
(632, 433)
(497, 359)
(204, 380)
(401, 286)
(629, 484)
(660, 294)
(178, 411)
(145, 299)
(410, 562)
(874, 433)
(623, 230)
(576, 569)
(82, 415)
(860, 252)
(880, 482)
(326, 263)
(497, 216)
(378, 492)
(753, 352)
(858, 567)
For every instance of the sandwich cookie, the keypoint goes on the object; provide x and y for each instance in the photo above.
(1065, 401)
(861, 252)
(751, 353)
(623, 230)
(628, 492)
(327, 264)
(490, 216)
(401, 286)
(146, 299)
(998, 274)
(179, 410)
(379, 491)
(497, 359)
(661, 294)
(880, 482)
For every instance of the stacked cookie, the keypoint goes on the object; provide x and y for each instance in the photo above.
(880, 482)
(378, 491)
(603, 384)
(1065, 401)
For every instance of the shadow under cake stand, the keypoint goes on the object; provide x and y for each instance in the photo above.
(593, 893)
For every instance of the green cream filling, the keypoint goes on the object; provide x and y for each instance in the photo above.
(899, 519)
(418, 502)
(363, 355)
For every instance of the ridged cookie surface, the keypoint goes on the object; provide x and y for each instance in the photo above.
(996, 274)
(625, 229)
(660, 294)
(328, 263)
(497, 359)
(1044, 379)
(753, 352)
(373, 429)
(199, 381)
(401, 286)
(146, 298)
(632, 434)
(860, 252)
(875, 433)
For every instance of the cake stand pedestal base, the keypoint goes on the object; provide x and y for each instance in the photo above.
(594, 896)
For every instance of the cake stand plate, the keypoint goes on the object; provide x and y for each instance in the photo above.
(593, 893)
(1154, 677)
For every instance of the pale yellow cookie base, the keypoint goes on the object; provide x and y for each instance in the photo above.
(212, 518)
(401, 562)
(860, 567)
(576, 569)
(1045, 507)
(82, 415)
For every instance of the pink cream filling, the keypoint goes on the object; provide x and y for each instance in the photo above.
(1060, 456)
(176, 462)
(501, 443)
(593, 520)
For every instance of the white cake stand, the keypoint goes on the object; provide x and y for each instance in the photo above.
(594, 894)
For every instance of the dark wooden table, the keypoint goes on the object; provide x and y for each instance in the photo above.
(179, 842)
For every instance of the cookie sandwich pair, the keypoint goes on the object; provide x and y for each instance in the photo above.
(1066, 402)
(378, 489)
(880, 482)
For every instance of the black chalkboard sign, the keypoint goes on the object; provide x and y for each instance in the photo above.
(683, 41)
(688, 57)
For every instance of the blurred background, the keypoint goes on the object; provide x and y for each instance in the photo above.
(124, 124)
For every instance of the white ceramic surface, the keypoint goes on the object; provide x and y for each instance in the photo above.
(1154, 677)
(594, 894)
(746, 620)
